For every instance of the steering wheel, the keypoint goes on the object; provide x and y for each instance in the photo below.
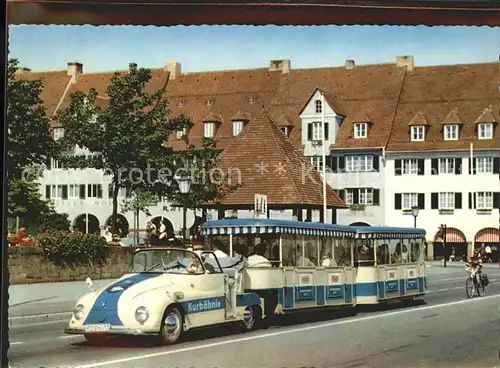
(177, 264)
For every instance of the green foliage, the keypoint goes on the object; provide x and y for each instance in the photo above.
(29, 139)
(140, 202)
(74, 249)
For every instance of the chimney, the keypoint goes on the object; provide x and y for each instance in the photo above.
(405, 62)
(280, 65)
(23, 70)
(74, 71)
(349, 64)
(132, 66)
(174, 67)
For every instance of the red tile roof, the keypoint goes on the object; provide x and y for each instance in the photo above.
(268, 162)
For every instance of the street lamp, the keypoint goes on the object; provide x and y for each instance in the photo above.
(414, 211)
(184, 188)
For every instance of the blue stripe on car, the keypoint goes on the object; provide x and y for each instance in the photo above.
(105, 308)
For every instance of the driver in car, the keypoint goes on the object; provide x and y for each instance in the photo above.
(195, 266)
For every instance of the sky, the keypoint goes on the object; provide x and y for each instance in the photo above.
(204, 48)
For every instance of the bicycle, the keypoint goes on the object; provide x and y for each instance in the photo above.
(474, 286)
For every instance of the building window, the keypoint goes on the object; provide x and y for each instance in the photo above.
(74, 191)
(317, 134)
(484, 200)
(409, 200)
(484, 165)
(317, 162)
(57, 165)
(366, 196)
(485, 131)
(360, 130)
(181, 133)
(237, 127)
(417, 133)
(446, 201)
(58, 133)
(94, 191)
(359, 163)
(349, 196)
(446, 166)
(318, 106)
(56, 191)
(410, 166)
(208, 130)
(450, 132)
(285, 130)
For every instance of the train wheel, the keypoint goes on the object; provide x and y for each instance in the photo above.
(252, 318)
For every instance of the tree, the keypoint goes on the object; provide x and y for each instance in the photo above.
(140, 202)
(129, 132)
(29, 146)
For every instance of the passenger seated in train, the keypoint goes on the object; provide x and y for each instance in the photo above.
(362, 256)
(220, 251)
(328, 261)
(383, 254)
(303, 261)
(257, 259)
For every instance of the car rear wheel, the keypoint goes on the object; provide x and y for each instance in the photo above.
(252, 317)
(172, 327)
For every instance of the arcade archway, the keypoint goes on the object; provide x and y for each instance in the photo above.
(122, 225)
(80, 224)
(489, 236)
(456, 245)
(359, 223)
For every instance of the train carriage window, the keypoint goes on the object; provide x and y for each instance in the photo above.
(364, 254)
(307, 255)
(327, 256)
(382, 251)
(396, 249)
(405, 250)
(416, 250)
(288, 244)
(342, 251)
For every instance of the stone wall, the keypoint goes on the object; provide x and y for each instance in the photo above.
(28, 265)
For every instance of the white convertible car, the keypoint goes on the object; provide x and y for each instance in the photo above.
(167, 291)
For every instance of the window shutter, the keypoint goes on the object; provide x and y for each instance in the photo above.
(421, 201)
(470, 201)
(434, 201)
(496, 165)
(458, 166)
(458, 201)
(334, 163)
(326, 132)
(309, 132)
(421, 167)
(110, 191)
(472, 166)
(341, 164)
(47, 192)
(496, 200)
(48, 164)
(376, 197)
(397, 201)
(355, 196)
(376, 162)
(342, 194)
(434, 166)
(82, 191)
(64, 192)
(397, 167)
(99, 191)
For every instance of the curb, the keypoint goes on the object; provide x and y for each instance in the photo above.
(39, 318)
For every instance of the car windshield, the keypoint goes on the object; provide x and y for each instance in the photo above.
(177, 261)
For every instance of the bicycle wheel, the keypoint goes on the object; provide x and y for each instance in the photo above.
(469, 287)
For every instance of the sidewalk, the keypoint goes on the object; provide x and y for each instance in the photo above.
(457, 264)
(46, 302)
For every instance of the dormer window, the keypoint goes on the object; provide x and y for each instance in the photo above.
(451, 132)
(485, 131)
(360, 130)
(208, 131)
(318, 106)
(417, 133)
(237, 127)
(181, 133)
(58, 133)
(251, 99)
(180, 103)
(209, 102)
(286, 130)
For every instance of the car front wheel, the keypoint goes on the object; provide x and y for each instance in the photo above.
(172, 327)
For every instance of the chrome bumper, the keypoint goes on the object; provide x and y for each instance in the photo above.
(111, 332)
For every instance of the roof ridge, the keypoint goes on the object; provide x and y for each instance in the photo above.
(280, 148)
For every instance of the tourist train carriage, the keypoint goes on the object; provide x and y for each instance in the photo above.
(313, 265)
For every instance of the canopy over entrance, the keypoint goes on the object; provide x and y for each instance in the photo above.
(453, 235)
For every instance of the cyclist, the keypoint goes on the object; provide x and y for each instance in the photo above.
(476, 261)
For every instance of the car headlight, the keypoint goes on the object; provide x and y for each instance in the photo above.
(141, 314)
(79, 311)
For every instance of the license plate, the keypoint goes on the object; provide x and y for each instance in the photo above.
(98, 328)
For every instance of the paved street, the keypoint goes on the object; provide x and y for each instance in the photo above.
(449, 331)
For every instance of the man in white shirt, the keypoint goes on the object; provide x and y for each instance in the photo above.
(257, 259)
